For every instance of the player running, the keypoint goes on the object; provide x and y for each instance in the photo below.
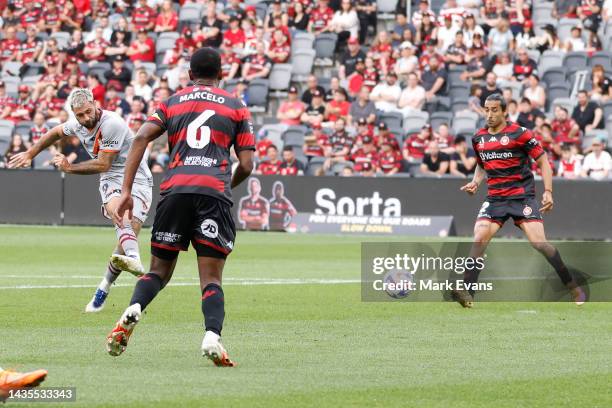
(107, 139)
(13, 381)
(203, 122)
(503, 152)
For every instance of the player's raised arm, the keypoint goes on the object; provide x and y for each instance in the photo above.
(148, 132)
(25, 159)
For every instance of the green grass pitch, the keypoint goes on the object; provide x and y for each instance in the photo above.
(299, 340)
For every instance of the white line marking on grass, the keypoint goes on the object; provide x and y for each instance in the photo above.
(229, 281)
(527, 311)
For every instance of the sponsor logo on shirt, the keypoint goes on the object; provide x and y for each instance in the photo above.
(495, 155)
(199, 161)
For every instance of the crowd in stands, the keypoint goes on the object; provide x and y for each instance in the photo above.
(400, 97)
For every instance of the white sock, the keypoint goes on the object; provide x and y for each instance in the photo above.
(112, 274)
(128, 241)
(211, 337)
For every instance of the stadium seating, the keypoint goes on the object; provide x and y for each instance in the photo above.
(39, 161)
(438, 118)
(302, 61)
(325, 45)
(280, 77)
(258, 94)
(294, 136)
(415, 119)
(392, 119)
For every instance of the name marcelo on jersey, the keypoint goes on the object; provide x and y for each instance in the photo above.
(495, 155)
(205, 96)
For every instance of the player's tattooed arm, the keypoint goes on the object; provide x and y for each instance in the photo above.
(99, 165)
(25, 159)
(479, 176)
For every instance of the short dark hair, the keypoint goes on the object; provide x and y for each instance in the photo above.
(459, 139)
(288, 149)
(205, 63)
(497, 97)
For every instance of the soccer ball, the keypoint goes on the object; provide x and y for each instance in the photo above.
(396, 283)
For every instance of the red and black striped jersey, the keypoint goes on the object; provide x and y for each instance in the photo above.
(506, 157)
(203, 123)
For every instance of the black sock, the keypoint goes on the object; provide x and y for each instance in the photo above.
(471, 276)
(147, 287)
(560, 267)
(213, 307)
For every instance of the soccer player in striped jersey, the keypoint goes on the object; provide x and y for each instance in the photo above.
(504, 152)
(107, 138)
(203, 122)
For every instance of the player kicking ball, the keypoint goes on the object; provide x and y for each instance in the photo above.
(107, 139)
(503, 152)
(202, 122)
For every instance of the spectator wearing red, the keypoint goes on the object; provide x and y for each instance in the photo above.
(371, 76)
(320, 17)
(290, 111)
(95, 50)
(523, 66)
(143, 17)
(570, 163)
(83, 6)
(167, 19)
(365, 154)
(10, 45)
(316, 144)
(415, 145)
(7, 103)
(32, 15)
(234, 37)
(97, 88)
(339, 107)
(49, 104)
(38, 129)
(280, 49)
(32, 48)
(356, 79)
(261, 147)
(230, 65)
(565, 129)
(113, 102)
(142, 49)
(271, 165)
(363, 131)
(257, 66)
(444, 138)
(290, 165)
(50, 20)
(136, 121)
(382, 52)
(71, 18)
(430, 51)
(384, 135)
(389, 160)
(24, 106)
(340, 145)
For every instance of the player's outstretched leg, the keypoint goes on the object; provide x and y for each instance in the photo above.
(129, 261)
(484, 230)
(213, 308)
(12, 381)
(147, 287)
(96, 304)
(537, 237)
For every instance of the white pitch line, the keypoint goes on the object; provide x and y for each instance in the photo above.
(233, 282)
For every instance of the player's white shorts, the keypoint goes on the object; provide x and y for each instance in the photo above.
(142, 195)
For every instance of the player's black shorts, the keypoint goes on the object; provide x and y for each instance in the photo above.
(204, 221)
(521, 210)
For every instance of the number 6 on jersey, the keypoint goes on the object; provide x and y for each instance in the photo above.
(198, 136)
